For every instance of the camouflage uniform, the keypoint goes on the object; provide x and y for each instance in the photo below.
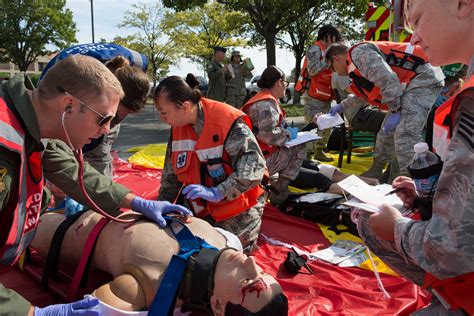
(249, 165)
(443, 245)
(312, 106)
(100, 157)
(286, 162)
(216, 87)
(415, 101)
(360, 115)
(235, 84)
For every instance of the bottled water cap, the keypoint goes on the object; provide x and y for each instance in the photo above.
(421, 147)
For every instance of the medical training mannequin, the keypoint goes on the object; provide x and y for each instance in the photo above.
(122, 249)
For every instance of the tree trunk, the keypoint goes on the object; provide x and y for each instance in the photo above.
(298, 59)
(270, 46)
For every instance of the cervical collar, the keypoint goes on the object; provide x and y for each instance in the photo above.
(197, 285)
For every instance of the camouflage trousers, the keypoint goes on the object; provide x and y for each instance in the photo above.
(286, 162)
(311, 107)
(235, 100)
(415, 107)
(100, 157)
(399, 262)
(246, 225)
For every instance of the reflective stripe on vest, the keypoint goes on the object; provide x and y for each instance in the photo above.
(443, 125)
(18, 224)
(190, 156)
(317, 86)
(265, 95)
(403, 59)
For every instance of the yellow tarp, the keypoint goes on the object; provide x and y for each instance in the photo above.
(150, 156)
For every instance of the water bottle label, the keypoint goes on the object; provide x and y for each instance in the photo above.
(426, 186)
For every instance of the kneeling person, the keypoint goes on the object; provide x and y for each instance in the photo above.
(213, 154)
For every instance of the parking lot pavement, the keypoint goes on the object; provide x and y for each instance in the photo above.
(145, 128)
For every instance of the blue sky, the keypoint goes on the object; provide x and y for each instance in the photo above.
(109, 13)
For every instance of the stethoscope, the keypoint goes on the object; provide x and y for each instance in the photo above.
(80, 176)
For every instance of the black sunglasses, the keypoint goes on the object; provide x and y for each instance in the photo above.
(104, 119)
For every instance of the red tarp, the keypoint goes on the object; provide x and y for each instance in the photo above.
(331, 290)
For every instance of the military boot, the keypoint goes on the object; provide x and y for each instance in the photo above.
(375, 171)
(279, 191)
(320, 156)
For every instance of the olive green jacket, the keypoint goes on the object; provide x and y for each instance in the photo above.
(59, 166)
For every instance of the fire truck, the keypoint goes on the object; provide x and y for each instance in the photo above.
(385, 22)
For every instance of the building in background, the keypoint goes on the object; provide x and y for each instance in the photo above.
(8, 70)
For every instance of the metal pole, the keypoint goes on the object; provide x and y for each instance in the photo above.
(92, 20)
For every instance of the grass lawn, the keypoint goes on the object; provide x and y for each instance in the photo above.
(293, 110)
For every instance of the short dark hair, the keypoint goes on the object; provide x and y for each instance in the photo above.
(328, 31)
(134, 81)
(278, 306)
(335, 49)
(270, 76)
(177, 90)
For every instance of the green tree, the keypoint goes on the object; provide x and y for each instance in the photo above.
(29, 26)
(197, 30)
(150, 38)
(270, 17)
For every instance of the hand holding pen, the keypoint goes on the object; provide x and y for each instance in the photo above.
(404, 187)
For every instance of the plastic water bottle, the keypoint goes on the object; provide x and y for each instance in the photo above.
(425, 178)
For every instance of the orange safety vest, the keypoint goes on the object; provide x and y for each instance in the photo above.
(402, 58)
(318, 86)
(192, 157)
(443, 125)
(453, 293)
(266, 95)
(18, 222)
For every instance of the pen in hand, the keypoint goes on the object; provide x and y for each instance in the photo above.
(395, 191)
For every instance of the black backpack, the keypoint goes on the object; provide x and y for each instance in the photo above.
(323, 212)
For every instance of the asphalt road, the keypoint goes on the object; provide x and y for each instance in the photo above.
(145, 128)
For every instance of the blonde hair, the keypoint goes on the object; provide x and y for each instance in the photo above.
(82, 76)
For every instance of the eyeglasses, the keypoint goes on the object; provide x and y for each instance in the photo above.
(104, 119)
(287, 83)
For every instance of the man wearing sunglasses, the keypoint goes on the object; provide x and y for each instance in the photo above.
(129, 68)
(55, 110)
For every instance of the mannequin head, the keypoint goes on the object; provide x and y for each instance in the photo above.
(239, 283)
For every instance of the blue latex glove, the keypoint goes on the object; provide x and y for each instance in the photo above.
(81, 307)
(155, 210)
(391, 123)
(336, 109)
(194, 191)
(72, 207)
(293, 132)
